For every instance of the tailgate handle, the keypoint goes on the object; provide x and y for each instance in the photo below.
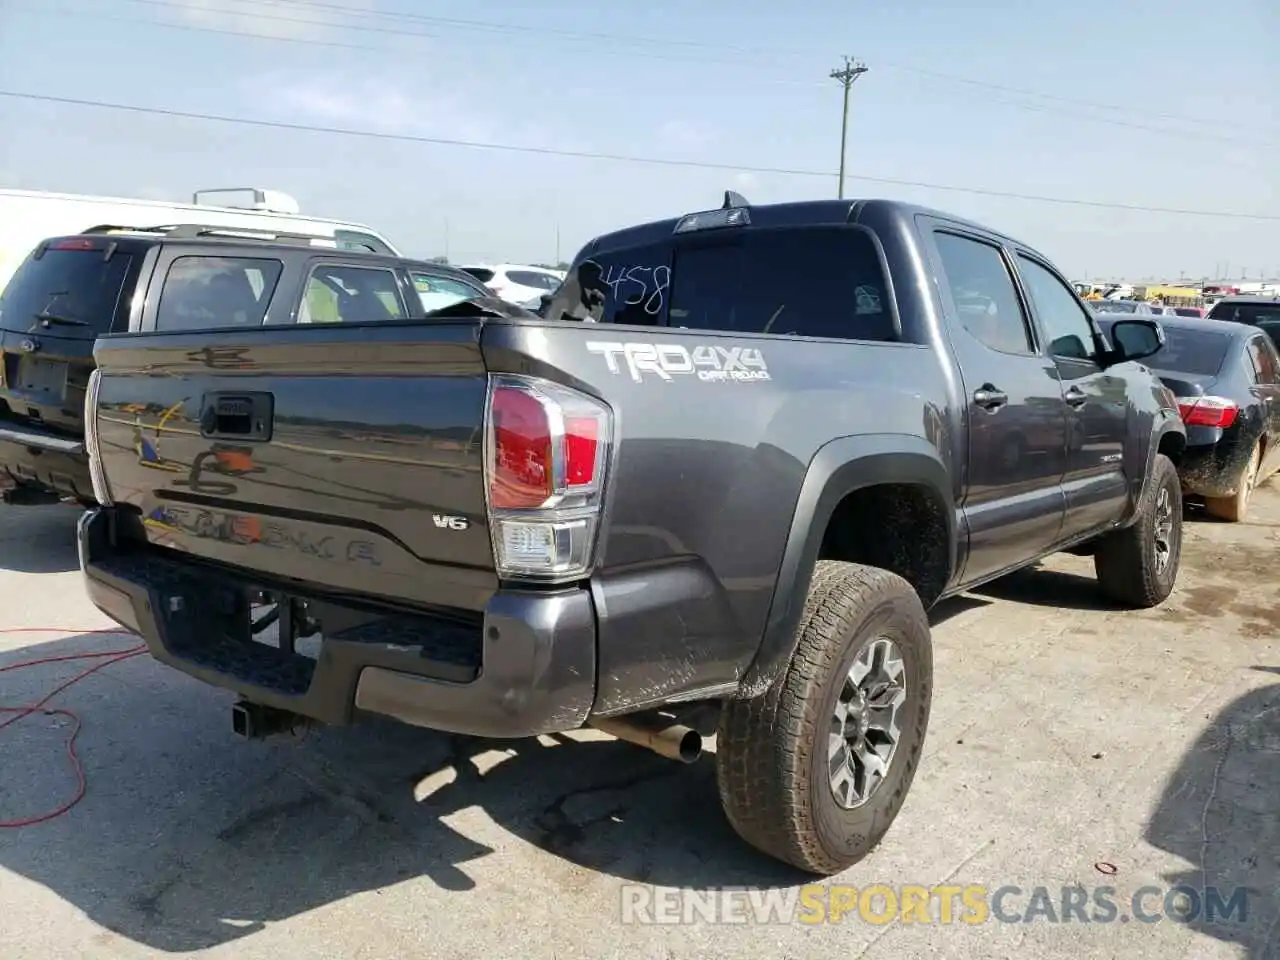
(242, 416)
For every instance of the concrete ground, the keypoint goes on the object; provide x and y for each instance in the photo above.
(1070, 744)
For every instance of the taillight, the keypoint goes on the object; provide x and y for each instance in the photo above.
(1208, 411)
(101, 492)
(547, 451)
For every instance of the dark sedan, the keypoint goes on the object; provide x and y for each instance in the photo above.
(1227, 380)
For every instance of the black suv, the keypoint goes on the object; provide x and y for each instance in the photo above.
(1260, 312)
(72, 289)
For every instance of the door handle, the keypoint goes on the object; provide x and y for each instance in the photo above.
(989, 398)
(240, 416)
(1075, 397)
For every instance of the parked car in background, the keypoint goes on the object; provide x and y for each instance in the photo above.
(1185, 311)
(1260, 312)
(1122, 306)
(28, 216)
(517, 283)
(1227, 380)
(72, 289)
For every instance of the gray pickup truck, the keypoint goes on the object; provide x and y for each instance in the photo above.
(713, 487)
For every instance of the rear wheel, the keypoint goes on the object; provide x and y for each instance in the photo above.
(814, 772)
(1138, 565)
(1236, 508)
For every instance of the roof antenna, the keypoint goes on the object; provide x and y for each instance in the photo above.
(732, 199)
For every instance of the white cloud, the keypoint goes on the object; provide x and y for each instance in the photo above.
(292, 23)
(376, 105)
(746, 181)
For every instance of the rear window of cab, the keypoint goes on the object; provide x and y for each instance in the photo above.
(819, 281)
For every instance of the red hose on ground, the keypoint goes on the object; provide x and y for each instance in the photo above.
(107, 658)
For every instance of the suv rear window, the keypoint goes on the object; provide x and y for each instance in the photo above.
(76, 291)
(480, 273)
(822, 281)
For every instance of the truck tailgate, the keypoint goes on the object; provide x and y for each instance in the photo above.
(348, 458)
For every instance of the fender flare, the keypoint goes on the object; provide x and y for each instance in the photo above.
(1165, 423)
(839, 468)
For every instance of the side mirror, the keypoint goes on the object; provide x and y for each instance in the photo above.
(1135, 339)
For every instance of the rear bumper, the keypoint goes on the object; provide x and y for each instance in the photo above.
(40, 458)
(1214, 469)
(526, 667)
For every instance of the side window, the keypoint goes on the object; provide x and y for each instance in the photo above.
(532, 278)
(1264, 362)
(204, 292)
(345, 294)
(984, 293)
(437, 292)
(1064, 321)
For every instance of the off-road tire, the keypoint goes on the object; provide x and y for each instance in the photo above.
(1125, 562)
(1235, 508)
(771, 750)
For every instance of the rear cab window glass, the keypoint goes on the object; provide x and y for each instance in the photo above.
(203, 292)
(437, 292)
(815, 281)
(72, 288)
(339, 293)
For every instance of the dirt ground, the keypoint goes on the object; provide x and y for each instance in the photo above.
(1071, 744)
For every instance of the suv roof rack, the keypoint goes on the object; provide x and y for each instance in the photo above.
(200, 231)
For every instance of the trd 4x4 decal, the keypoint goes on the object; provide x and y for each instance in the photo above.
(669, 360)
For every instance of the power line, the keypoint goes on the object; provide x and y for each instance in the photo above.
(217, 31)
(619, 158)
(847, 75)
(535, 32)
(754, 54)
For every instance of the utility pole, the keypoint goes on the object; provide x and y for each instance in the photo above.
(847, 75)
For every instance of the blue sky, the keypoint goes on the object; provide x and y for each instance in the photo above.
(714, 82)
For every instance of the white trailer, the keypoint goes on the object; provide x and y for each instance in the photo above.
(29, 216)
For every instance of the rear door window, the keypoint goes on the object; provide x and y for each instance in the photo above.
(1263, 360)
(338, 293)
(822, 281)
(71, 290)
(202, 292)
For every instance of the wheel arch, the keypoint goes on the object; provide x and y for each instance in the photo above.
(840, 485)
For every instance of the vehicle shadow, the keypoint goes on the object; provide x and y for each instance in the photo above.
(38, 539)
(1218, 812)
(188, 839)
(954, 606)
(1040, 587)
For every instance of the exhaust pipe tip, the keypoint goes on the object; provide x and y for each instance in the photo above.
(689, 746)
(675, 741)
